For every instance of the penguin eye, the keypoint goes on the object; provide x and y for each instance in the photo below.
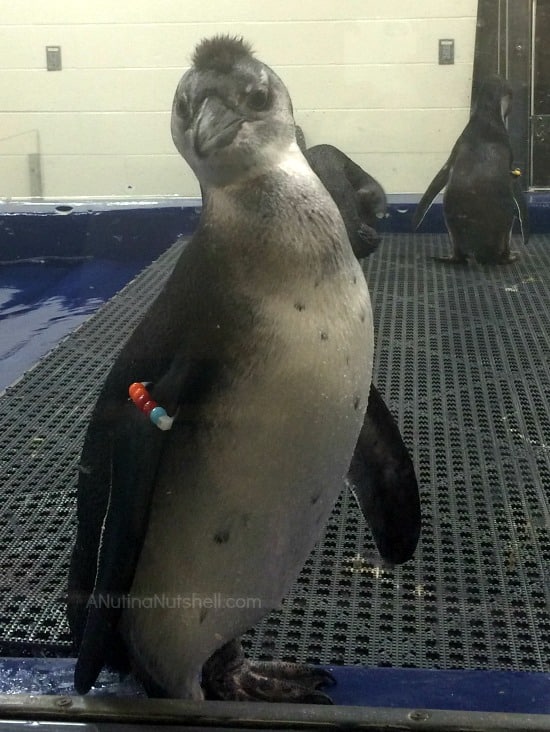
(258, 99)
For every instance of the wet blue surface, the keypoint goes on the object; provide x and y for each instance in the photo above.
(40, 304)
(479, 691)
(476, 691)
(115, 230)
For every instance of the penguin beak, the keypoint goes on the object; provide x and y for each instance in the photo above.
(216, 126)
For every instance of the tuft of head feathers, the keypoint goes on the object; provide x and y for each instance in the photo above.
(220, 53)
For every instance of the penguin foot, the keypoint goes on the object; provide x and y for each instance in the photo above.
(503, 259)
(512, 256)
(451, 259)
(274, 681)
(229, 676)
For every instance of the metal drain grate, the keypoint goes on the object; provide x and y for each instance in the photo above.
(463, 359)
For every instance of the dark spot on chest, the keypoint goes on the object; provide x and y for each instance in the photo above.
(324, 335)
(299, 306)
(354, 280)
(222, 536)
(314, 498)
(362, 316)
(202, 614)
(356, 403)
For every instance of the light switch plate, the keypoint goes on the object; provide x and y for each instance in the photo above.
(53, 58)
(446, 51)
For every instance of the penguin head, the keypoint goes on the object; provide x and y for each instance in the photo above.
(232, 115)
(494, 98)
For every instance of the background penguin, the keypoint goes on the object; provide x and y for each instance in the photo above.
(482, 195)
(360, 198)
(260, 348)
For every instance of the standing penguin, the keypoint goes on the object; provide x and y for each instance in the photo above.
(482, 196)
(259, 349)
(360, 198)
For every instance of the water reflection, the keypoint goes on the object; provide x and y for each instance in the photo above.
(42, 303)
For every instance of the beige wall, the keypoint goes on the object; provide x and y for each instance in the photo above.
(363, 75)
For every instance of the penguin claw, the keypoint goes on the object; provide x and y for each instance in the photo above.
(275, 681)
(512, 256)
(451, 259)
(301, 672)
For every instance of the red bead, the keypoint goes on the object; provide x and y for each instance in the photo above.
(140, 400)
(136, 389)
(149, 406)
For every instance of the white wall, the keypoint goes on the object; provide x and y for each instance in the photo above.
(363, 75)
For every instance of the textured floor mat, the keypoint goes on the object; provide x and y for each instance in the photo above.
(463, 360)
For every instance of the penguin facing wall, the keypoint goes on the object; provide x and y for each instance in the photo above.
(482, 194)
(361, 200)
(215, 480)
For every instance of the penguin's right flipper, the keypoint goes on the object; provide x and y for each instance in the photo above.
(369, 194)
(383, 480)
(522, 211)
(437, 184)
(366, 242)
(135, 451)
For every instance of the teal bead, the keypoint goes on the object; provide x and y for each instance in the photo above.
(156, 413)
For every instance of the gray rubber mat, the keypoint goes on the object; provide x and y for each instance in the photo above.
(463, 360)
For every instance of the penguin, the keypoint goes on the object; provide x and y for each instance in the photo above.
(482, 194)
(201, 496)
(361, 200)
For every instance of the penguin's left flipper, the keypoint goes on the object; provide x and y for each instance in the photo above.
(383, 480)
(136, 449)
(522, 211)
(229, 676)
(437, 184)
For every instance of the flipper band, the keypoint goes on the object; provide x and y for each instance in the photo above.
(143, 401)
